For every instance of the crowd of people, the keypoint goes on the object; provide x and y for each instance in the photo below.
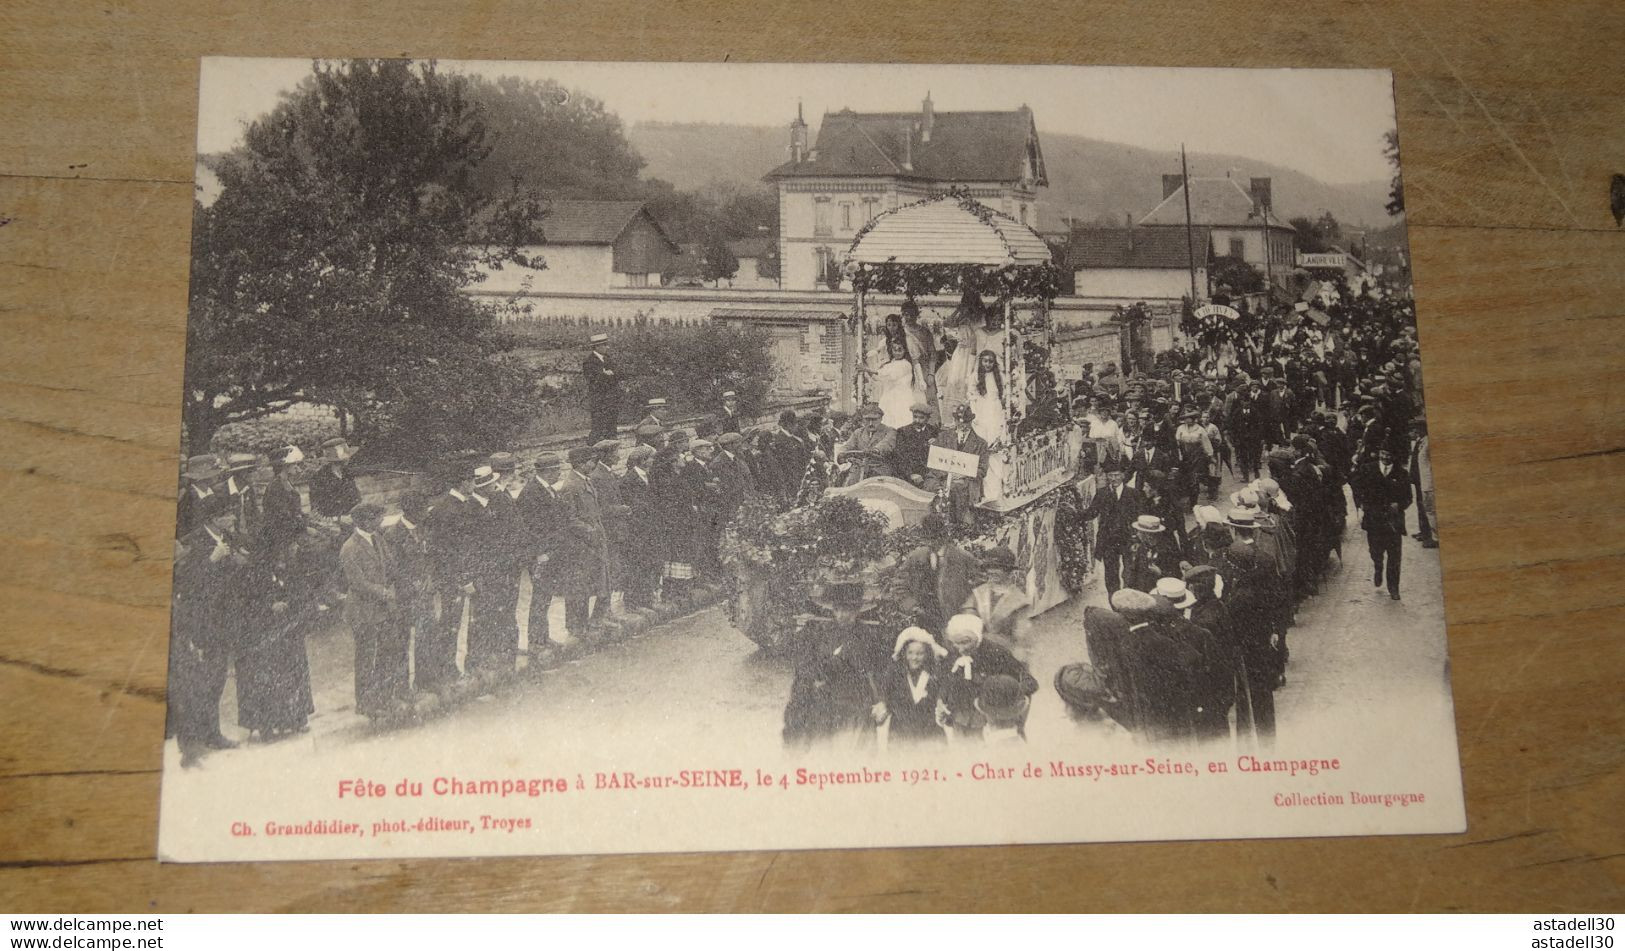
(1201, 591)
(619, 521)
(1192, 642)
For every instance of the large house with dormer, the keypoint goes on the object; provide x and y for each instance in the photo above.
(864, 163)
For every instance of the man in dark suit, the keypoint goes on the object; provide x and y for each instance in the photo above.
(1247, 424)
(372, 612)
(1117, 506)
(583, 563)
(790, 451)
(936, 578)
(543, 517)
(1386, 494)
(493, 641)
(913, 445)
(613, 511)
(603, 389)
(452, 527)
(729, 418)
(639, 559)
(408, 542)
(202, 629)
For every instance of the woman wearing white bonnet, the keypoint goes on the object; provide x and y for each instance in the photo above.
(911, 689)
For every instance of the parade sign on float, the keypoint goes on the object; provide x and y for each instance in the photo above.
(953, 461)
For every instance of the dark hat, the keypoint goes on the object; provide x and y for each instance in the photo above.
(1303, 443)
(1001, 697)
(364, 511)
(1243, 518)
(203, 468)
(548, 460)
(1201, 575)
(581, 454)
(1217, 535)
(787, 418)
(639, 453)
(607, 447)
(964, 412)
(871, 410)
(503, 461)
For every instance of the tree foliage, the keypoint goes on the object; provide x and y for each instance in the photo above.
(1396, 185)
(717, 260)
(558, 142)
(1236, 275)
(1320, 235)
(331, 267)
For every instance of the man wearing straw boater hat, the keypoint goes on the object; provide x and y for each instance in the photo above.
(1152, 554)
(613, 511)
(603, 388)
(333, 491)
(202, 477)
(729, 419)
(202, 628)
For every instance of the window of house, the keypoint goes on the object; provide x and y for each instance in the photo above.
(821, 215)
(846, 216)
(1238, 248)
(637, 280)
(1023, 212)
(871, 209)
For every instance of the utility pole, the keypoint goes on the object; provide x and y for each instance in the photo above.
(1190, 239)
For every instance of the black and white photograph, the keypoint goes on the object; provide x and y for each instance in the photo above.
(645, 457)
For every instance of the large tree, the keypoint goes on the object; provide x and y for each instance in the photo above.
(332, 266)
(559, 142)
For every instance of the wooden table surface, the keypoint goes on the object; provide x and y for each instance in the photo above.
(1511, 118)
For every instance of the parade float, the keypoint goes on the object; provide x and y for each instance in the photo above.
(1003, 276)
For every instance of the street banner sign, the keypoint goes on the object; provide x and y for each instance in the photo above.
(1217, 310)
(1069, 372)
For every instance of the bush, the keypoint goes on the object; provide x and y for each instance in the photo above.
(692, 366)
(260, 436)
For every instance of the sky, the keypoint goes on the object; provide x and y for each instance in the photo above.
(1328, 124)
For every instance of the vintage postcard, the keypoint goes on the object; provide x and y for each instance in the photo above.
(620, 457)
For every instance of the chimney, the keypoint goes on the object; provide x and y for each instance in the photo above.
(1260, 190)
(1171, 184)
(927, 117)
(908, 148)
(1128, 218)
(798, 137)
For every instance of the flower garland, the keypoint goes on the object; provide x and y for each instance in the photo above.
(1026, 282)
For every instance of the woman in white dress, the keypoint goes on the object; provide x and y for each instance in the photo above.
(986, 398)
(898, 385)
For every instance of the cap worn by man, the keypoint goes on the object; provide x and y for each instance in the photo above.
(503, 462)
